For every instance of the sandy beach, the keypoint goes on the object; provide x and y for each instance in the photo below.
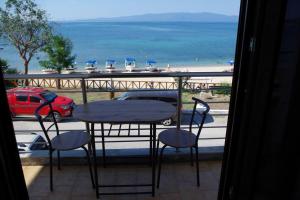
(179, 69)
(194, 69)
(223, 68)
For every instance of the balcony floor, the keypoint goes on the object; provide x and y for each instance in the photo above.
(178, 181)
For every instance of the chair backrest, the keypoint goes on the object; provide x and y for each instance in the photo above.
(50, 117)
(202, 113)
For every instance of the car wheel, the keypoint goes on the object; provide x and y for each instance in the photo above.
(167, 122)
(57, 116)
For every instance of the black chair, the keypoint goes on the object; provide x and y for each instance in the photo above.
(61, 142)
(182, 138)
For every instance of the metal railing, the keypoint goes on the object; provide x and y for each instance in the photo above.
(103, 82)
(119, 85)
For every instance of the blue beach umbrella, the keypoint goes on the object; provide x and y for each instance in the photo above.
(91, 62)
(110, 61)
(151, 62)
(231, 62)
(130, 59)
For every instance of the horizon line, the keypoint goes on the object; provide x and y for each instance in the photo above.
(124, 16)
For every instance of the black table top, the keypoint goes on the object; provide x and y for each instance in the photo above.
(124, 111)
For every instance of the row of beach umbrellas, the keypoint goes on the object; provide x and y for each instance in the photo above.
(128, 60)
(132, 60)
(129, 65)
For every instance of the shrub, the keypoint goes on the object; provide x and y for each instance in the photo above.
(6, 70)
(223, 88)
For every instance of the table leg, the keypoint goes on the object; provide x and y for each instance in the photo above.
(153, 158)
(95, 158)
(103, 146)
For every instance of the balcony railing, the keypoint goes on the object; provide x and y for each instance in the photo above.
(109, 82)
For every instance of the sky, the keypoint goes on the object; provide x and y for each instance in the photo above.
(89, 9)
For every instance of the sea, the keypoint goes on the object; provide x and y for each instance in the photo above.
(177, 44)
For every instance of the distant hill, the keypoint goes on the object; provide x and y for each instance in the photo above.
(169, 17)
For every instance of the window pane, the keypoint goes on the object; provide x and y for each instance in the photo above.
(22, 98)
(35, 99)
(49, 96)
(169, 100)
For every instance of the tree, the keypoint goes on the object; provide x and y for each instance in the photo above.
(59, 52)
(26, 27)
(3, 65)
(5, 69)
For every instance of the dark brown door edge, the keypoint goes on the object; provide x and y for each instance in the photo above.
(12, 183)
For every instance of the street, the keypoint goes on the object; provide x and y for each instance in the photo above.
(209, 131)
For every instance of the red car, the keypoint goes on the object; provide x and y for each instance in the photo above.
(24, 101)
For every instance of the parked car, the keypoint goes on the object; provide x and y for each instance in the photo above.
(31, 142)
(24, 101)
(166, 96)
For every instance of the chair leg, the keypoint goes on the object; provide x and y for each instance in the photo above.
(90, 166)
(51, 169)
(157, 148)
(192, 159)
(58, 160)
(90, 149)
(197, 166)
(159, 164)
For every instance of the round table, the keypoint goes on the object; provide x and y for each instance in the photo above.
(124, 111)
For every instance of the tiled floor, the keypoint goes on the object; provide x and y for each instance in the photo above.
(178, 181)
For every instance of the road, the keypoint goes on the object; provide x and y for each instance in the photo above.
(30, 126)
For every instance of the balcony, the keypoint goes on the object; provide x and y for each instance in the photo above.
(178, 179)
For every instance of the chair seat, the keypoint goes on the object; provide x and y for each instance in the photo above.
(70, 140)
(177, 138)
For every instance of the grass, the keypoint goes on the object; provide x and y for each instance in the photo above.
(221, 100)
(224, 89)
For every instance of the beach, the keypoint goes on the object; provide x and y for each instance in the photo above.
(224, 68)
(164, 80)
(186, 47)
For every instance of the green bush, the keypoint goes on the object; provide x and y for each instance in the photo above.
(6, 70)
(3, 64)
(223, 88)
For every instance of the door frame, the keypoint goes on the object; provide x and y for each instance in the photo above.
(12, 182)
(253, 76)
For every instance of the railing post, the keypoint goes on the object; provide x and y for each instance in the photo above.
(84, 99)
(83, 88)
(112, 89)
(179, 102)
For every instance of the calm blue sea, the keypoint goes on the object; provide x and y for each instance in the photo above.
(175, 43)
